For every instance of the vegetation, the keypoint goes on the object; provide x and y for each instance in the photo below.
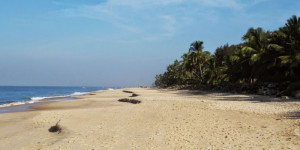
(263, 57)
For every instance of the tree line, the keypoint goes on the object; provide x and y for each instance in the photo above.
(263, 56)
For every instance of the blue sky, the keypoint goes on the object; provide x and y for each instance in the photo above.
(119, 42)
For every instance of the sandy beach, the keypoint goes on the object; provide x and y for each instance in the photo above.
(165, 119)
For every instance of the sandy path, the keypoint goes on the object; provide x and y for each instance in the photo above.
(164, 120)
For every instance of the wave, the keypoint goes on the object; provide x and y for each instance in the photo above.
(57, 97)
(34, 99)
(79, 93)
(37, 99)
(16, 103)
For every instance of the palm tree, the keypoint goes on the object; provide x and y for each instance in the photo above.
(263, 57)
(292, 31)
(228, 63)
(198, 59)
(196, 46)
(257, 43)
(290, 57)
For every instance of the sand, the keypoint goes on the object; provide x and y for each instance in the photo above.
(165, 119)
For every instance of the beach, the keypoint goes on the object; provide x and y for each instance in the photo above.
(165, 119)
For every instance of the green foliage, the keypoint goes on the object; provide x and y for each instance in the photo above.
(264, 56)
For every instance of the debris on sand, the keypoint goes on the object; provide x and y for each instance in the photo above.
(134, 95)
(125, 91)
(55, 128)
(133, 101)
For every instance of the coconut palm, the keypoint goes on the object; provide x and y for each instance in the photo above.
(263, 57)
(256, 45)
(228, 63)
(290, 56)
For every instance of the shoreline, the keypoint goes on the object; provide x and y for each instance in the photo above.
(27, 105)
(165, 119)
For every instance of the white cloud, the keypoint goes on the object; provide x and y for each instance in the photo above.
(142, 16)
(100, 12)
(143, 3)
(222, 3)
(152, 38)
(258, 1)
(115, 12)
(169, 24)
(147, 3)
(129, 28)
(90, 11)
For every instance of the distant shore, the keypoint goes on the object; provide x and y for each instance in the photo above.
(165, 119)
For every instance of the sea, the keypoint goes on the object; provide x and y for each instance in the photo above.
(18, 95)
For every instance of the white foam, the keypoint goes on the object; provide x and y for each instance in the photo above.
(34, 99)
(79, 93)
(37, 99)
(15, 104)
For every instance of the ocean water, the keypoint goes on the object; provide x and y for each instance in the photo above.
(17, 95)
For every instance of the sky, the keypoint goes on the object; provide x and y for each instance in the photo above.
(119, 42)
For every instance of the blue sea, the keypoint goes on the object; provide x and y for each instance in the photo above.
(17, 95)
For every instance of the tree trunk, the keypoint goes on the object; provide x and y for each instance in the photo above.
(201, 73)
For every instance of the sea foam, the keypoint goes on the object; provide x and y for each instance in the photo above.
(38, 99)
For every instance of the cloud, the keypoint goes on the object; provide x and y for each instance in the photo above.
(100, 12)
(169, 24)
(258, 1)
(149, 3)
(222, 3)
(89, 11)
(152, 18)
(120, 14)
(129, 28)
(144, 3)
(77, 2)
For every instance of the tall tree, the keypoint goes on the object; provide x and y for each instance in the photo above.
(256, 44)
(197, 60)
(263, 57)
(290, 57)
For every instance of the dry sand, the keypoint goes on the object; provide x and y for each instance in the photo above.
(166, 119)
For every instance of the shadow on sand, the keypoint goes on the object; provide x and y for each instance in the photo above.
(293, 115)
(237, 96)
(218, 96)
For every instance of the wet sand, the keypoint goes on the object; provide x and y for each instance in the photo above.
(28, 107)
(165, 119)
